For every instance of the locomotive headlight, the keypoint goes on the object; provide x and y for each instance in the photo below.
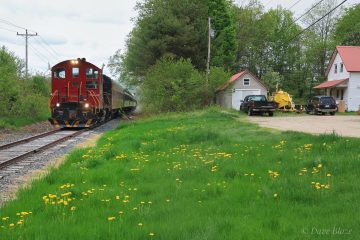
(58, 105)
(86, 105)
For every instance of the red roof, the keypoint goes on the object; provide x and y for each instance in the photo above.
(331, 83)
(232, 79)
(236, 77)
(350, 56)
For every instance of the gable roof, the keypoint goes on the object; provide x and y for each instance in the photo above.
(350, 56)
(236, 77)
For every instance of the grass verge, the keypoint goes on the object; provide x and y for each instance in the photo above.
(198, 175)
(17, 122)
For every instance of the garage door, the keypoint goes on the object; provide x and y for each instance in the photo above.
(240, 94)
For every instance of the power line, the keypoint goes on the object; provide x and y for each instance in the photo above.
(11, 24)
(294, 4)
(52, 49)
(6, 29)
(43, 42)
(46, 49)
(39, 55)
(316, 21)
(308, 10)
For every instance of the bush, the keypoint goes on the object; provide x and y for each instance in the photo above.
(172, 85)
(22, 101)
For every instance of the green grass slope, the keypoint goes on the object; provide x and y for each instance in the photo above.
(198, 175)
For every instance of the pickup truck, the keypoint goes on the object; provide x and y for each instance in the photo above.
(257, 104)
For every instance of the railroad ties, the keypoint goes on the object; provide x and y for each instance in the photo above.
(16, 151)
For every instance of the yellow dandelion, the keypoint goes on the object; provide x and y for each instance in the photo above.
(140, 224)
(328, 175)
(151, 234)
(73, 208)
(11, 225)
(275, 195)
(111, 218)
(167, 200)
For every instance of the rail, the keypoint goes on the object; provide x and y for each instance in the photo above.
(12, 160)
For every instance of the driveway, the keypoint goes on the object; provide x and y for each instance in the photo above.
(342, 125)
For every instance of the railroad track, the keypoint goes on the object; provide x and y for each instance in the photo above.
(16, 151)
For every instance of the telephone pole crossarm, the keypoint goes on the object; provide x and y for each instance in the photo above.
(26, 35)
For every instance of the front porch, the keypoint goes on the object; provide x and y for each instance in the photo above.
(338, 89)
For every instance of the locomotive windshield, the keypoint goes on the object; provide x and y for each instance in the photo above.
(92, 73)
(75, 72)
(59, 73)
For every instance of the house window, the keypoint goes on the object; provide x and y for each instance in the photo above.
(335, 68)
(337, 93)
(246, 82)
(341, 67)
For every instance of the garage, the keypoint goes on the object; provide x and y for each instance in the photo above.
(240, 85)
(239, 95)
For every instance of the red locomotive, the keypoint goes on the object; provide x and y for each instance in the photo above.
(82, 96)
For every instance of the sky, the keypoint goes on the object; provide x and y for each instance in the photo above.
(70, 29)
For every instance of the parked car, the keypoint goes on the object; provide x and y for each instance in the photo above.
(257, 104)
(321, 104)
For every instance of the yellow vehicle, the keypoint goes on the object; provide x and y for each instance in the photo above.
(284, 101)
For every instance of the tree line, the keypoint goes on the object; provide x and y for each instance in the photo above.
(22, 101)
(166, 52)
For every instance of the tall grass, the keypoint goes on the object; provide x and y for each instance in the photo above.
(198, 175)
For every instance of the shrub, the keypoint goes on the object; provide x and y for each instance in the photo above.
(172, 85)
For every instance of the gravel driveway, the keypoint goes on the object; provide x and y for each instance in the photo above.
(342, 125)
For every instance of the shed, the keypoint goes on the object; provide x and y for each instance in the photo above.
(239, 86)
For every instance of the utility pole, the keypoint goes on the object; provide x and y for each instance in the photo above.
(26, 35)
(209, 51)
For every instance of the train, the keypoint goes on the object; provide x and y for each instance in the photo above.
(82, 96)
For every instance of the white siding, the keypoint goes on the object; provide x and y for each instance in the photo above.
(339, 75)
(353, 102)
(231, 96)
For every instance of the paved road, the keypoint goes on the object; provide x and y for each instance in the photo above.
(342, 125)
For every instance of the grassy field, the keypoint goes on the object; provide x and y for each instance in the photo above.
(16, 122)
(199, 175)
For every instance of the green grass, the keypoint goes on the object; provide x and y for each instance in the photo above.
(16, 122)
(198, 175)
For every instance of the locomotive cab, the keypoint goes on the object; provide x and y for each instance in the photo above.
(82, 96)
(76, 99)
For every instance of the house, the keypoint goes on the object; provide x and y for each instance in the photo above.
(343, 77)
(237, 88)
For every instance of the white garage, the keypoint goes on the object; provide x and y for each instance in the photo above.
(237, 88)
